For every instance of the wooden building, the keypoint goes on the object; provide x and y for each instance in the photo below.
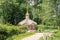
(28, 22)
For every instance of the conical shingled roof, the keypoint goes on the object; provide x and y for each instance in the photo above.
(27, 21)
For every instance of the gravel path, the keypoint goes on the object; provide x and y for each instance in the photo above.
(34, 37)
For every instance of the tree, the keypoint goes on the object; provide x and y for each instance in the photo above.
(58, 13)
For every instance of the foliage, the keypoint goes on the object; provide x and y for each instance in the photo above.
(44, 28)
(10, 32)
(40, 27)
(7, 31)
(55, 36)
(12, 11)
(44, 12)
(56, 33)
(23, 29)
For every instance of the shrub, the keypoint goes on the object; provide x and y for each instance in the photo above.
(50, 27)
(7, 31)
(2, 37)
(57, 33)
(40, 27)
(23, 28)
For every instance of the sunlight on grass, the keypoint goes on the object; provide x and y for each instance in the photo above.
(20, 36)
(50, 38)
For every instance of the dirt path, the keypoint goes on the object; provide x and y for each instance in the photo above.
(34, 37)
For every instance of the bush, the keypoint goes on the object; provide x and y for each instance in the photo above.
(23, 28)
(57, 33)
(50, 27)
(2, 37)
(7, 31)
(40, 27)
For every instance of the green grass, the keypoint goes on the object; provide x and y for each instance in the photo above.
(50, 38)
(20, 36)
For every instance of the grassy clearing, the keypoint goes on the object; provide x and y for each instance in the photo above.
(20, 36)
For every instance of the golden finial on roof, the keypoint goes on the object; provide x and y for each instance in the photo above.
(27, 14)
